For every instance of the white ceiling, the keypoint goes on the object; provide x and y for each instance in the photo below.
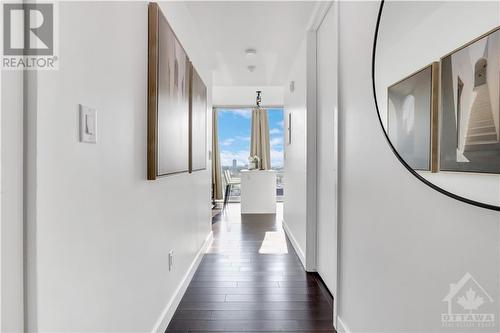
(274, 29)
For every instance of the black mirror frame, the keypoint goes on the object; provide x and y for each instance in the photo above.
(419, 177)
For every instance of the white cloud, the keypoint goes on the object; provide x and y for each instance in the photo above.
(243, 138)
(245, 113)
(227, 142)
(277, 158)
(273, 131)
(241, 158)
(281, 124)
(278, 141)
(227, 157)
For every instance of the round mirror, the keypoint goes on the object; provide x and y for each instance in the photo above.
(436, 79)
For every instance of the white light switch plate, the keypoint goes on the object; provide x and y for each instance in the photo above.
(88, 124)
(170, 260)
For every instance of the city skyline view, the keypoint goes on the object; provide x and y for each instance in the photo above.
(234, 136)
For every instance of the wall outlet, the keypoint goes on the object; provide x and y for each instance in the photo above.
(170, 260)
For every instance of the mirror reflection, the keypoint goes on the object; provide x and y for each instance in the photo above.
(437, 83)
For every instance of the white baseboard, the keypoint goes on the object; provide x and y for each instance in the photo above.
(295, 244)
(341, 326)
(167, 314)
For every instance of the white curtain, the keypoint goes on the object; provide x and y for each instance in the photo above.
(216, 169)
(259, 144)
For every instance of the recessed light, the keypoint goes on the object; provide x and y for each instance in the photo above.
(250, 52)
(251, 68)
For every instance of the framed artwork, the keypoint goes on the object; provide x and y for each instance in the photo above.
(470, 110)
(289, 129)
(197, 122)
(412, 118)
(168, 99)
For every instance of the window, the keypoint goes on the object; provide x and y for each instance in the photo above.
(234, 144)
(276, 137)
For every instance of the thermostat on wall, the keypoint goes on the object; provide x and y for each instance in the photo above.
(88, 124)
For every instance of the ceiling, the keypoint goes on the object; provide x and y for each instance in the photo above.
(274, 29)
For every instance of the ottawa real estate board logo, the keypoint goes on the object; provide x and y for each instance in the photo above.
(30, 36)
(469, 305)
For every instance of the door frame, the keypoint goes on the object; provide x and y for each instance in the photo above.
(321, 10)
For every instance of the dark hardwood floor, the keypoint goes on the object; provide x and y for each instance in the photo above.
(251, 280)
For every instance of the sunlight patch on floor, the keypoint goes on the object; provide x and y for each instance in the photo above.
(274, 243)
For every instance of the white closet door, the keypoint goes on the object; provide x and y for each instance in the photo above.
(327, 102)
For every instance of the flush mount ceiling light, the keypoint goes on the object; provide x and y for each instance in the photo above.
(251, 68)
(250, 52)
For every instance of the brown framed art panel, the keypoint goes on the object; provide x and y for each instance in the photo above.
(435, 118)
(168, 99)
(153, 12)
(197, 122)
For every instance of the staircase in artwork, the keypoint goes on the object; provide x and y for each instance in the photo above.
(481, 130)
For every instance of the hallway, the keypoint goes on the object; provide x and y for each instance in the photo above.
(251, 280)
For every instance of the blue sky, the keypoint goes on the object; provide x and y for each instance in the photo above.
(234, 136)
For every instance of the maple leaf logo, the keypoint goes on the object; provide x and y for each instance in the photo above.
(470, 301)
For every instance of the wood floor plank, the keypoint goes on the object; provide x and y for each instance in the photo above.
(252, 291)
(285, 297)
(193, 315)
(326, 331)
(257, 284)
(318, 314)
(225, 284)
(252, 325)
(190, 297)
(250, 278)
(228, 273)
(291, 305)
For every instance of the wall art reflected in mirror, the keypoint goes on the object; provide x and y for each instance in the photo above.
(412, 118)
(437, 90)
(470, 93)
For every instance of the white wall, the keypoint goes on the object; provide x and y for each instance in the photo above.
(103, 232)
(294, 205)
(299, 208)
(11, 230)
(401, 243)
(245, 95)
